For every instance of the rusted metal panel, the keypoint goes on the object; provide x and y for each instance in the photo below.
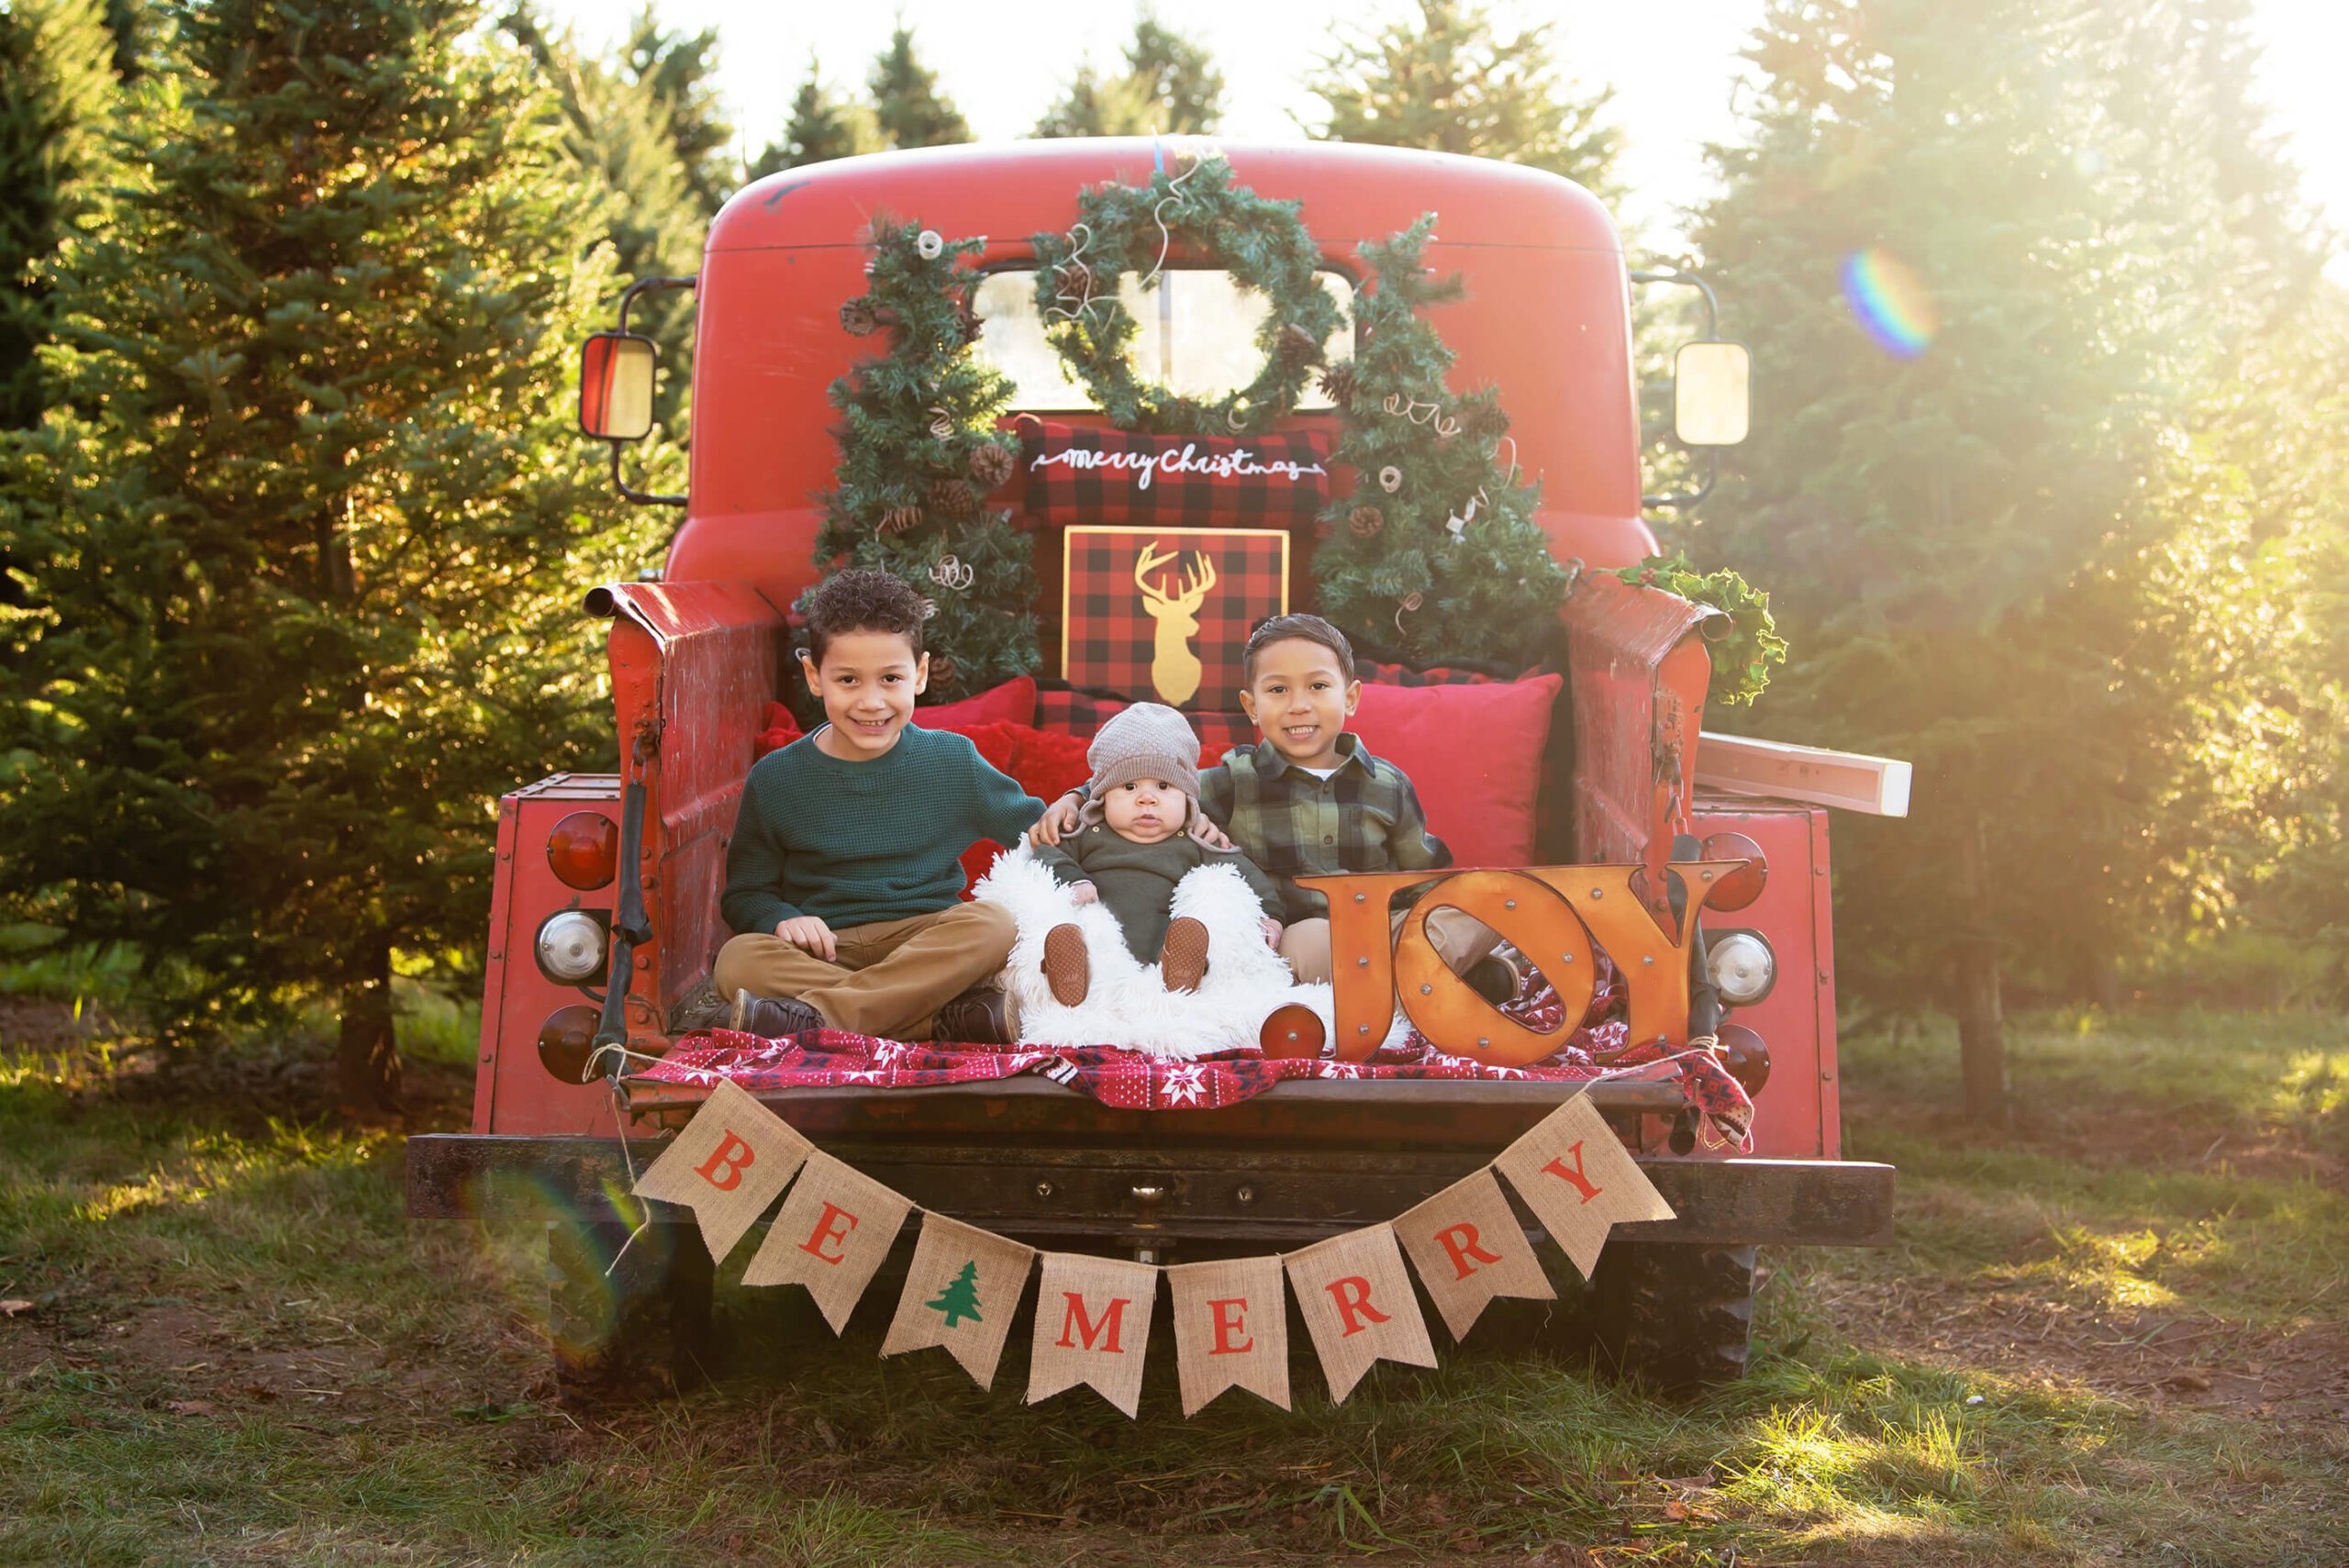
(1638, 672)
(1117, 1195)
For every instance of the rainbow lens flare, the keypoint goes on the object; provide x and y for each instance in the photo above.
(1890, 301)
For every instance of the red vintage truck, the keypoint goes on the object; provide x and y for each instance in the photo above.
(606, 914)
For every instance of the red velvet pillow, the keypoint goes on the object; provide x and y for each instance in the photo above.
(1475, 755)
(1014, 702)
(780, 730)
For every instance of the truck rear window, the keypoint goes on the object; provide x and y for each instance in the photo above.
(1197, 337)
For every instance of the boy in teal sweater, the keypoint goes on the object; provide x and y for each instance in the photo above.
(842, 879)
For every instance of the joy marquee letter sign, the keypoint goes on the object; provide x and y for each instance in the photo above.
(1550, 914)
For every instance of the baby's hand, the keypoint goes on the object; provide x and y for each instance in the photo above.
(1084, 893)
(1208, 834)
(1272, 929)
(1059, 817)
(809, 934)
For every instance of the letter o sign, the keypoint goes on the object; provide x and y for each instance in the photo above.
(1542, 927)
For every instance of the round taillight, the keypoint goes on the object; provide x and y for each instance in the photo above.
(566, 1040)
(584, 849)
(571, 947)
(1747, 1059)
(1742, 967)
(1743, 886)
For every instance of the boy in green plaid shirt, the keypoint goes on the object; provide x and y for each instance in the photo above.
(1309, 799)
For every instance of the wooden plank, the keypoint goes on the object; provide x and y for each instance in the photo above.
(1745, 765)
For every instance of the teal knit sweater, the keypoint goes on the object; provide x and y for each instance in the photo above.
(854, 843)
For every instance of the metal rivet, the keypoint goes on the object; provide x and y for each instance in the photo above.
(1483, 1043)
(1361, 1028)
(1292, 1037)
(1043, 1189)
(1427, 990)
(1704, 876)
(1362, 897)
(1597, 894)
(1245, 1194)
(1361, 964)
(1508, 903)
(1567, 958)
(1647, 958)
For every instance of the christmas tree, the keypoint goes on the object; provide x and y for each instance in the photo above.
(919, 454)
(960, 1299)
(1436, 555)
(907, 104)
(313, 517)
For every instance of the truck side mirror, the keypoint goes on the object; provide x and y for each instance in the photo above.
(1709, 393)
(615, 386)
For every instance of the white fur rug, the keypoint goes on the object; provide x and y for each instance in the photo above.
(1128, 1005)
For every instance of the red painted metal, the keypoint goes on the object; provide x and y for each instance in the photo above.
(513, 1092)
(1640, 670)
(1546, 320)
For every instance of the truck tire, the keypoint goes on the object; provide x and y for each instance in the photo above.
(641, 1332)
(1675, 1317)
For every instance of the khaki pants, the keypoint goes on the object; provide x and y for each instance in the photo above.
(891, 977)
(1461, 940)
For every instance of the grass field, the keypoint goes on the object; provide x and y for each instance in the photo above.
(2118, 1333)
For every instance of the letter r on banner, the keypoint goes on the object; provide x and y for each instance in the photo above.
(1357, 1303)
(1469, 1247)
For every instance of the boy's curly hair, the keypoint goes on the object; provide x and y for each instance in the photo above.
(1311, 629)
(863, 600)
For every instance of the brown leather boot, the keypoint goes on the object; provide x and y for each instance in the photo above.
(1067, 970)
(980, 1016)
(1183, 957)
(772, 1017)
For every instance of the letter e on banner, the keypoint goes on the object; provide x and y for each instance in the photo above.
(1231, 1329)
(1468, 1247)
(1579, 1181)
(1091, 1327)
(727, 1166)
(1358, 1305)
(831, 1236)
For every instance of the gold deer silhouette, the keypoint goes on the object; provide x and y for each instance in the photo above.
(1173, 668)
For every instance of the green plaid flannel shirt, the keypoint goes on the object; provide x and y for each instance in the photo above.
(1364, 816)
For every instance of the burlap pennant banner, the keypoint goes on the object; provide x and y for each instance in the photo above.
(1468, 1249)
(1231, 1329)
(1580, 1182)
(961, 1292)
(1091, 1327)
(727, 1166)
(831, 1236)
(1358, 1305)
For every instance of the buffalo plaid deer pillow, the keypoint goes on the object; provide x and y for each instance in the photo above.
(1162, 614)
(1277, 481)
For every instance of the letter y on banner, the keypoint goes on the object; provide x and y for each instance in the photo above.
(1091, 1327)
(1579, 1179)
(1358, 1303)
(1231, 1329)
(831, 1235)
(727, 1166)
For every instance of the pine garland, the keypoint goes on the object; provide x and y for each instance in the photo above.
(1124, 228)
(919, 454)
(1436, 553)
(1741, 660)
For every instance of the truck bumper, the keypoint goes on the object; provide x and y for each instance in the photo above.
(990, 1155)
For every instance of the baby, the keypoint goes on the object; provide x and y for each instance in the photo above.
(1134, 844)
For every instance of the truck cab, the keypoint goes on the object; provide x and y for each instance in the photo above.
(605, 912)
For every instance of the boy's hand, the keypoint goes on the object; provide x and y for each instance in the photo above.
(1272, 929)
(1084, 893)
(1059, 817)
(809, 934)
(1209, 835)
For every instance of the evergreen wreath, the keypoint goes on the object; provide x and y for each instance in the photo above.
(1124, 228)
(1742, 659)
(1436, 553)
(919, 454)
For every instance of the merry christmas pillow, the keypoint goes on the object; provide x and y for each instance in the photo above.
(1083, 475)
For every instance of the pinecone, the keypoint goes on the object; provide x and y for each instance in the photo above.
(1365, 521)
(1340, 382)
(942, 669)
(966, 321)
(990, 466)
(1074, 279)
(859, 318)
(1484, 421)
(953, 499)
(1298, 348)
(900, 519)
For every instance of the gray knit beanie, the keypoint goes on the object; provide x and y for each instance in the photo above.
(1147, 741)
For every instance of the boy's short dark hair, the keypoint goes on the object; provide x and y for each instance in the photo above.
(863, 600)
(1311, 629)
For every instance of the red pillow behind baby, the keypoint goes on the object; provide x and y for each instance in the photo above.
(1475, 755)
